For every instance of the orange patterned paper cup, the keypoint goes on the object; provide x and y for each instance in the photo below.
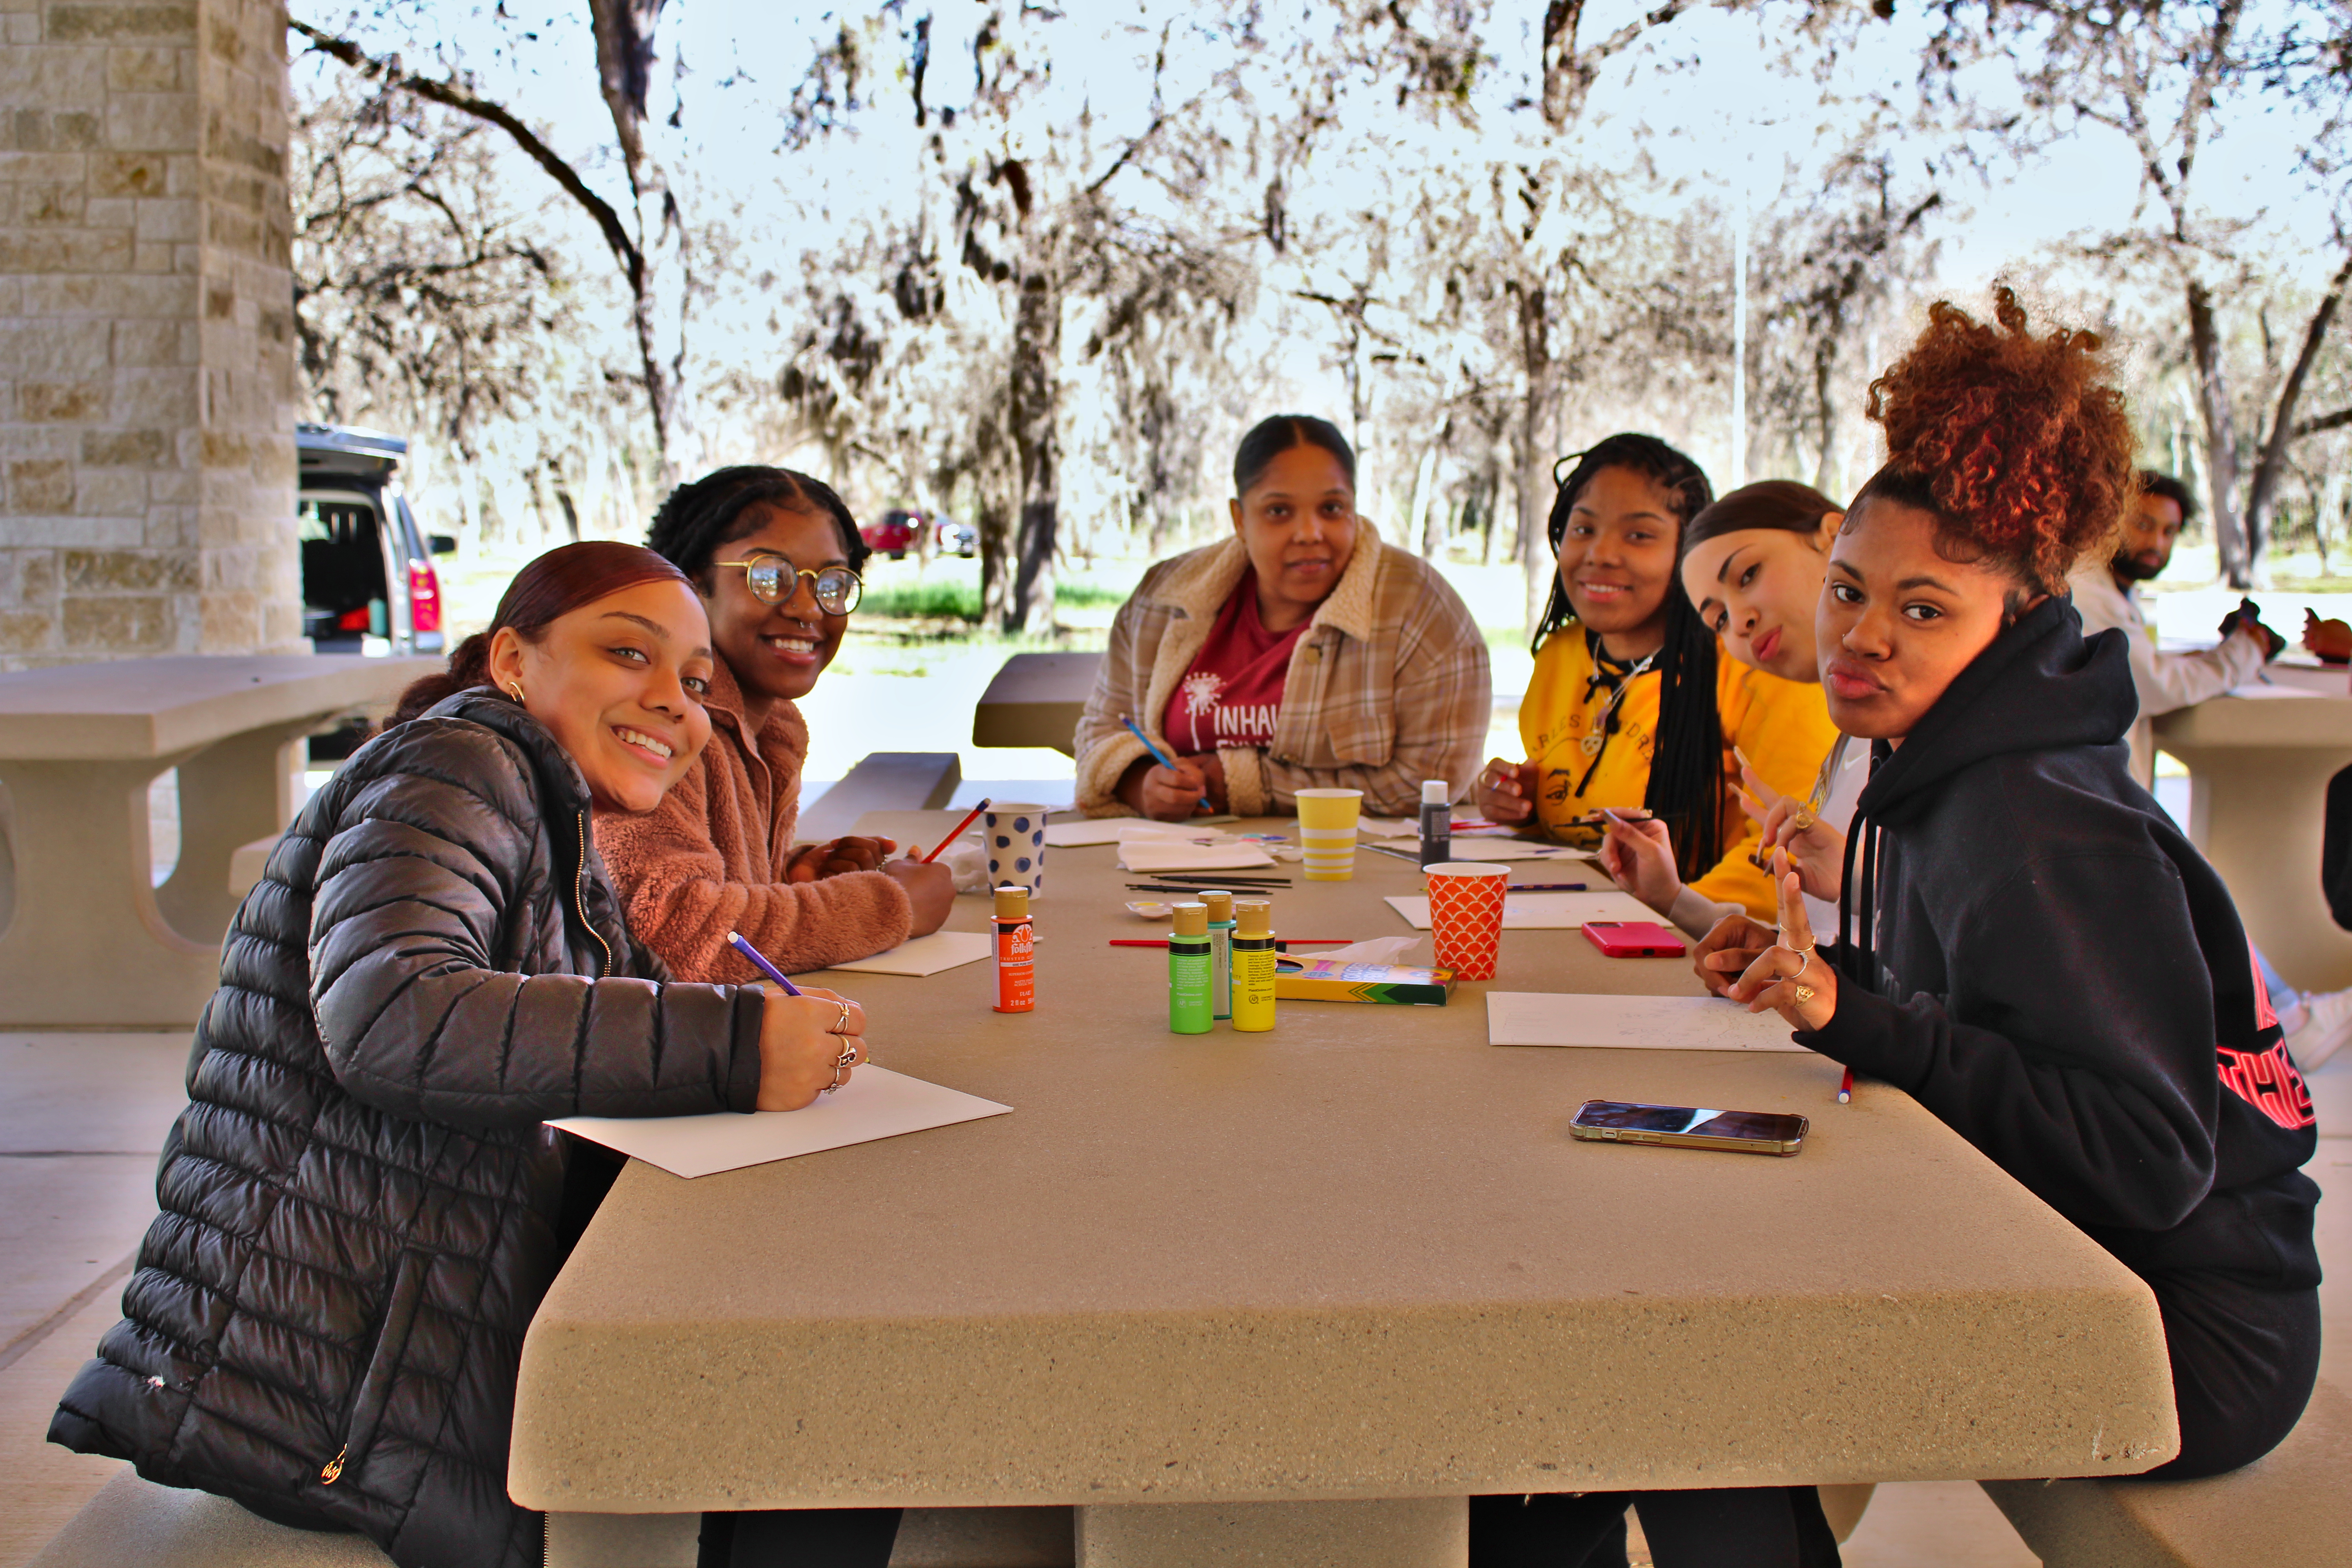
(1465, 916)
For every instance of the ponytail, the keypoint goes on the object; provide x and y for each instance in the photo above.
(550, 587)
(469, 665)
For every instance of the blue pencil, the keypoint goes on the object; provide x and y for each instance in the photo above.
(770, 970)
(1157, 754)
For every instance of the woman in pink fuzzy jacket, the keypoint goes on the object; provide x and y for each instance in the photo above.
(775, 555)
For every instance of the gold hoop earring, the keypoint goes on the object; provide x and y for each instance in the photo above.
(515, 687)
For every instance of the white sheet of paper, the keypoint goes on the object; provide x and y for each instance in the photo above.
(2258, 693)
(1106, 830)
(1544, 912)
(924, 954)
(1389, 827)
(1639, 1023)
(1152, 854)
(874, 1103)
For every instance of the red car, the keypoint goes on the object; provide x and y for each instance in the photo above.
(893, 536)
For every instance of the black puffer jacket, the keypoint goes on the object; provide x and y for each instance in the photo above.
(361, 1209)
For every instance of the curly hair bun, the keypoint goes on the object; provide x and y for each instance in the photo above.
(2023, 441)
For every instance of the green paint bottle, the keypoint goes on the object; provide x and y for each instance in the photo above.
(1190, 978)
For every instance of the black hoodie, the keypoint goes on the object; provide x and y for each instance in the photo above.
(2055, 971)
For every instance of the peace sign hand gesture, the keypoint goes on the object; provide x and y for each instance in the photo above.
(1815, 849)
(1789, 977)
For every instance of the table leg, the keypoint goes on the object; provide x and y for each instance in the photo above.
(86, 944)
(2257, 815)
(231, 793)
(1392, 1533)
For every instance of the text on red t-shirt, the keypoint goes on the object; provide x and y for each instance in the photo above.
(1233, 693)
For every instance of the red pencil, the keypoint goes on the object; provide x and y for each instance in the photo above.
(1845, 1087)
(958, 833)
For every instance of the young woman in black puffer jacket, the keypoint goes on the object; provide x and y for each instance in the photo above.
(361, 1208)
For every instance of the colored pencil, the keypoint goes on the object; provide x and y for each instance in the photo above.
(1845, 1087)
(1545, 887)
(770, 970)
(960, 826)
(1157, 754)
(1211, 879)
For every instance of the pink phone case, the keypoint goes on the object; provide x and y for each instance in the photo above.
(1634, 939)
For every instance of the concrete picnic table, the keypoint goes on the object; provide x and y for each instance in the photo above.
(1299, 1294)
(87, 940)
(2259, 759)
(1036, 700)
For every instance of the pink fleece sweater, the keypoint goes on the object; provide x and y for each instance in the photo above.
(711, 859)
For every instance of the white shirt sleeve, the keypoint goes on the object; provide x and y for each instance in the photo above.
(2165, 681)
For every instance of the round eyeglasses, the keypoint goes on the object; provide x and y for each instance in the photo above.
(774, 579)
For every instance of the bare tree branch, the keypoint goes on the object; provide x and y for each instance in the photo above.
(450, 95)
(2321, 424)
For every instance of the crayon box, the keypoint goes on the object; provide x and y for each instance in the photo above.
(1325, 980)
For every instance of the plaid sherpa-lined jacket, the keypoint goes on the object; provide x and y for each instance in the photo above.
(1388, 686)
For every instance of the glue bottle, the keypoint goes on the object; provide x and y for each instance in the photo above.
(1017, 954)
(1221, 952)
(1436, 821)
(1253, 965)
(1189, 1010)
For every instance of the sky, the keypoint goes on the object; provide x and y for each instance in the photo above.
(1696, 91)
(1700, 96)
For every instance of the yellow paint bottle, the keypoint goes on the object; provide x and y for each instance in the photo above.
(1252, 942)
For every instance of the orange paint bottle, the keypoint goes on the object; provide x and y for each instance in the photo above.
(1017, 954)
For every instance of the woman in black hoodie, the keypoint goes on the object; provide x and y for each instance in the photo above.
(2029, 946)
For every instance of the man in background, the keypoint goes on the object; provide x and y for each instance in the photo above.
(2106, 594)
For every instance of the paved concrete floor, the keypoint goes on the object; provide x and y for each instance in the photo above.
(82, 1117)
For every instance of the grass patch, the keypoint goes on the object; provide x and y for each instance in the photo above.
(938, 601)
(923, 602)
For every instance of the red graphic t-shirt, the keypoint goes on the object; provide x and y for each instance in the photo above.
(1233, 693)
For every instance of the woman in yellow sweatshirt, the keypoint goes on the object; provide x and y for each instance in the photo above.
(1633, 705)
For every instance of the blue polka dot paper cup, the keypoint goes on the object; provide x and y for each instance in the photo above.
(1016, 836)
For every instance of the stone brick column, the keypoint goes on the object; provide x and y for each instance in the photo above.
(147, 393)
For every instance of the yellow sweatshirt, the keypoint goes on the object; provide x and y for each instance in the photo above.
(1782, 725)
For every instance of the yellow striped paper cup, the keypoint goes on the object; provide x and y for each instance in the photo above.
(1327, 832)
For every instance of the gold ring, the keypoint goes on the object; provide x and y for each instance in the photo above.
(840, 1024)
(1804, 993)
(1802, 822)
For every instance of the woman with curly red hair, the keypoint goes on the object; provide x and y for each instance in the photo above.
(2032, 950)
(2028, 946)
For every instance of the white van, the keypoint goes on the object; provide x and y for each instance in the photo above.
(368, 581)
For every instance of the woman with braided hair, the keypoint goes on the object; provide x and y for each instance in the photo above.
(775, 556)
(1631, 707)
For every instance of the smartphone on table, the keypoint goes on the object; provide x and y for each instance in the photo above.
(1634, 939)
(1689, 1127)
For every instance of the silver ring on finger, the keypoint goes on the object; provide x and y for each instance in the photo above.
(1802, 993)
(839, 1025)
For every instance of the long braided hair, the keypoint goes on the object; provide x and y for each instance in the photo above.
(1686, 789)
(698, 518)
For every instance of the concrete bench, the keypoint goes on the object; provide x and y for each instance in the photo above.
(2290, 1507)
(883, 781)
(79, 744)
(247, 862)
(132, 1521)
